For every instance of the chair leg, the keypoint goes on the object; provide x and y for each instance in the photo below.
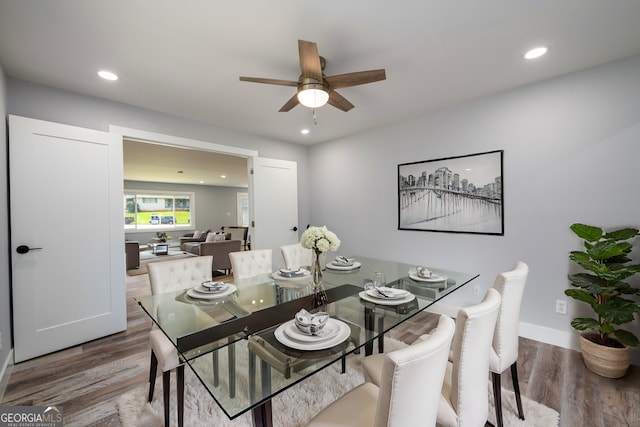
(152, 374)
(166, 384)
(180, 385)
(497, 397)
(516, 389)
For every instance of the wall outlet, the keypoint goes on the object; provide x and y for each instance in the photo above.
(561, 306)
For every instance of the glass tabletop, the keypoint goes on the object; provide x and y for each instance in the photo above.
(244, 348)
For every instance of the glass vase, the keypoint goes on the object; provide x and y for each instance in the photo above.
(320, 296)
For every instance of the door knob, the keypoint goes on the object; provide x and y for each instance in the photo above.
(294, 228)
(23, 249)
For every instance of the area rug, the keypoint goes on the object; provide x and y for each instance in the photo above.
(147, 257)
(295, 406)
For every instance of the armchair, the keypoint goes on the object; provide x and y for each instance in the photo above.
(238, 233)
(132, 251)
(220, 252)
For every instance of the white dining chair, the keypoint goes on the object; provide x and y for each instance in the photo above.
(171, 276)
(251, 263)
(504, 351)
(296, 256)
(465, 400)
(404, 398)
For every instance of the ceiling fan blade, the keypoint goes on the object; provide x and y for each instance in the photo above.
(269, 81)
(339, 101)
(292, 102)
(309, 60)
(354, 79)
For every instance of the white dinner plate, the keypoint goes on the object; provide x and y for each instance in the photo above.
(433, 279)
(332, 266)
(330, 330)
(193, 293)
(387, 301)
(344, 331)
(391, 292)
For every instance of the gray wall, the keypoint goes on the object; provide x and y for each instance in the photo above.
(5, 295)
(571, 150)
(215, 206)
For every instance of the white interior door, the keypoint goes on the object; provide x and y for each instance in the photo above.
(273, 188)
(66, 206)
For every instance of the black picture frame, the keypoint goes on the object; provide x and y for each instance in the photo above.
(462, 194)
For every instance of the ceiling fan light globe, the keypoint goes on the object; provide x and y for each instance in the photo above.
(313, 95)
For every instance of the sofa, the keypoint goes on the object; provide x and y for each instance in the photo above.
(195, 237)
(219, 250)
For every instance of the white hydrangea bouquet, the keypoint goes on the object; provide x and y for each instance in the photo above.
(319, 239)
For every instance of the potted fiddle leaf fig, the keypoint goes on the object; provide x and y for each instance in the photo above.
(604, 286)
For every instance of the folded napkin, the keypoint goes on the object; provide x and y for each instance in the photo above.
(343, 261)
(311, 323)
(290, 272)
(214, 286)
(423, 272)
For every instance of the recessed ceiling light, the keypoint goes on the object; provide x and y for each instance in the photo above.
(223, 176)
(107, 75)
(201, 182)
(305, 131)
(536, 52)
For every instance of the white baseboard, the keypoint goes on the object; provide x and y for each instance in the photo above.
(5, 372)
(550, 336)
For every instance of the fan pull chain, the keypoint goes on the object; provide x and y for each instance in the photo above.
(315, 119)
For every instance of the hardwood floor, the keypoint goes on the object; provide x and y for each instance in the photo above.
(87, 380)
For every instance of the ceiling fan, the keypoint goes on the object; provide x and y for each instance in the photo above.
(314, 88)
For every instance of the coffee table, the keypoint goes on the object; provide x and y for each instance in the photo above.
(161, 248)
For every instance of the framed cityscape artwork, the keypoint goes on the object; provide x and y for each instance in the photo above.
(454, 194)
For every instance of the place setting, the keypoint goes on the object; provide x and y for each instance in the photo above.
(312, 331)
(427, 278)
(377, 292)
(342, 263)
(211, 290)
(290, 274)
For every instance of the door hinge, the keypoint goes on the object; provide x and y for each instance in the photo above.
(253, 223)
(251, 171)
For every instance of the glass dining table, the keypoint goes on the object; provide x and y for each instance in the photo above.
(243, 347)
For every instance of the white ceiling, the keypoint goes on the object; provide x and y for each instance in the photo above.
(184, 57)
(162, 163)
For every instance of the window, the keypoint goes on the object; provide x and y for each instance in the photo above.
(150, 210)
(243, 209)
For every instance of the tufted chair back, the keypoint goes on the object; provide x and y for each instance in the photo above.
(465, 400)
(296, 256)
(505, 338)
(251, 263)
(415, 372)
(184, 273)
